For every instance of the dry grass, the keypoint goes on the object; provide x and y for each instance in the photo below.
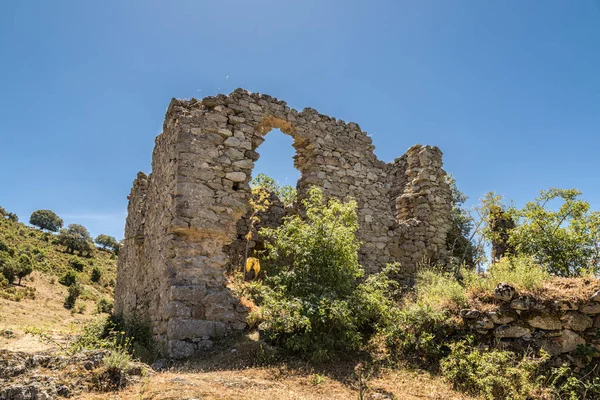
(46, 312)
(275, 384)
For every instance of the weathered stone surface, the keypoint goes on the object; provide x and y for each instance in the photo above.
(576, 321)
(187, 220)
(189, 328)
(522, 303)
(511, 331)
(544, 321)
(596, 296)
(504, 292)
(566, 342)
(503, 317)
(470, 314)
(180, 349)
(592, 308)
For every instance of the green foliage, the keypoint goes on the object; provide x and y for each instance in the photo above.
(76, 238)
(46, 219)
(287, 194)
(10, 267)
(106, 242)
(493, 374)
(314, 302)
(77, 264)
(520, 272)
(96, 275)
(74, 291)
(439, 290)
(6, 249)
(567, 384)
(68, 279)
(104, 305)
(418, 335)
(24, 267)
(460, 236)
(566, 240)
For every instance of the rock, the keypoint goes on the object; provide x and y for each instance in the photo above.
(179, 349)
(597, 322)
(236, 176)
(544, 321)
(511, 331)
(565, 343)
(190, 328)
(484, 324)
(503, 317)
(470, 314)
(522, 303)
(596, 297)
(159, 365)
(576, 321)
(592, 309)
(504, 292)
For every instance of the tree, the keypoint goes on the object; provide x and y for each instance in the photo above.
(106, 242)
(565, 239)
(24, 267)
(75, 238)
(287, 194)
(46, 219)
(459, 240)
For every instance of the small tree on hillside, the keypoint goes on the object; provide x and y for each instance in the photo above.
(46, 219)
(76, 238)
(24, 267)
(106, 242)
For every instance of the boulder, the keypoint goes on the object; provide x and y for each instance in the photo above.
(511, 331)
(544, 321)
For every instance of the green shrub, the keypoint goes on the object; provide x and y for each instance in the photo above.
(419, 335)
(68, 279)
(74, 291)
(521, 272)
(96, 274)
(77, 264)
(493, 374)
(10, 267)
(104, 306)
(439, 290)
(76, 238)
(313, 302)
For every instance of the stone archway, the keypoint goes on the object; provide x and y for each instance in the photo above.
(180, 217)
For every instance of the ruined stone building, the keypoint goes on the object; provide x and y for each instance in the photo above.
(182, 218)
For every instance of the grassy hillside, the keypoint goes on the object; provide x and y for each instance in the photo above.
(39, 301)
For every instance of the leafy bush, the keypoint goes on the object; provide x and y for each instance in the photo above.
(314, 303)
(521, 272)
(68, 279)
(46, 219)
(74, 292)
(418, 335)
(439, 290)
(96, 274)
(77, 264)
(104, 306)
(493, 374)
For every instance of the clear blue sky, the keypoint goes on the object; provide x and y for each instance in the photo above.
(509, 90)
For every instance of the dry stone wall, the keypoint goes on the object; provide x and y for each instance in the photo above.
(184, 218)
(521, 322)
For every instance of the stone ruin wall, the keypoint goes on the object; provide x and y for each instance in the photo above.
(183, 219)
(522, 323)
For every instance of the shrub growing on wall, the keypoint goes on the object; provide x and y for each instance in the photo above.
(314, 300)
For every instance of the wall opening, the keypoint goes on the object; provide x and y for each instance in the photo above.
(276, 159)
